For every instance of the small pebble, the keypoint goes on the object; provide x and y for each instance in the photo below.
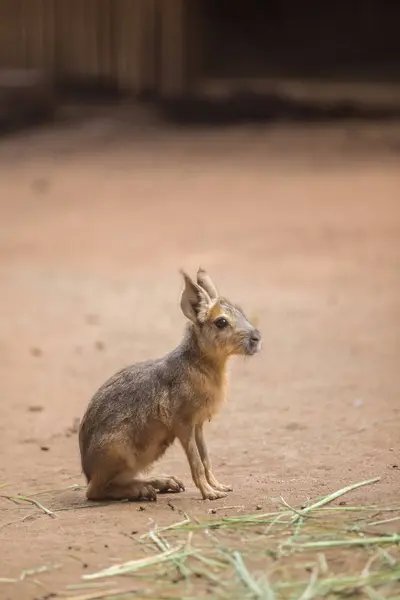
(44, 448)
(36, 352)
(35, 408)
(92, 319)
(258, 507)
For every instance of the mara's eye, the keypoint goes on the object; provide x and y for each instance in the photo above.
(221, 323)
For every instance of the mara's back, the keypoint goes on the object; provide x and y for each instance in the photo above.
(125, 399)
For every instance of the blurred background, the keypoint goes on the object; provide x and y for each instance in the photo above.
(260, 140)
(265, 60)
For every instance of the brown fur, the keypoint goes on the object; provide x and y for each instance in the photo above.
(139, 412)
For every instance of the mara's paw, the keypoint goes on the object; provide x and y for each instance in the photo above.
(214, 483)
(222, 488)
(212, 494)
(167, 484)
(143, 491)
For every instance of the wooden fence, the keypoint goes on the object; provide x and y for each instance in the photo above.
(136, 44)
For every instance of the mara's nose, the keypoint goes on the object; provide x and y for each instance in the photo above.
(255, 336)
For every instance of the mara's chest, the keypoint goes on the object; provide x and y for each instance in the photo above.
(210, 400)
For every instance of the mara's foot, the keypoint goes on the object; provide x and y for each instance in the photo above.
(165, 484)
(210, 493)
(142, 490)
(222, 488)
(216, 485)
(133, 490)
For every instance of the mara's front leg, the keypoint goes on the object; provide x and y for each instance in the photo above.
(187, 438)
(205, 459)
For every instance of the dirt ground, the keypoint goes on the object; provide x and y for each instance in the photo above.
(299, 225)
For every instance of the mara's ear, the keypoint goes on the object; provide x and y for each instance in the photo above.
(195, 301)
(205, 281)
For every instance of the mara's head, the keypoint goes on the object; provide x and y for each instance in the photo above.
(222, 327)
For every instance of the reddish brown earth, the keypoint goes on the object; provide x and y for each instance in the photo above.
(300, 225)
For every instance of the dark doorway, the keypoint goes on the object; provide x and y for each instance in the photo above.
(263, 38)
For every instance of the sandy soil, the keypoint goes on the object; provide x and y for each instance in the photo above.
(301, 226)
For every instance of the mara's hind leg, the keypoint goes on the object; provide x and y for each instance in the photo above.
(115, 478)
(124, 487)
(165, 484)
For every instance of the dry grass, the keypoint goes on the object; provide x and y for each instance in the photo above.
(321, 550)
